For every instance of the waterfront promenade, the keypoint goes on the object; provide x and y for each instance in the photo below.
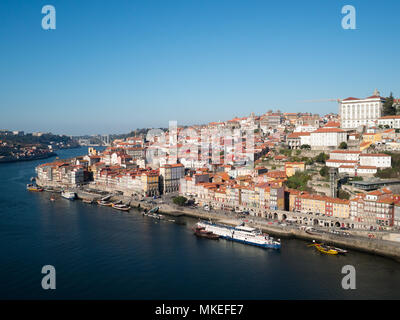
(277, 223)
(278, 226)
(353, 240)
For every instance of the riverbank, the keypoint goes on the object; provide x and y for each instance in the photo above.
(389, 249)
(31, 158)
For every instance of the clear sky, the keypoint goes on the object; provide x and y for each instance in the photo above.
(112, 66)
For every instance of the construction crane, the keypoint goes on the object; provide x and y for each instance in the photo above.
(322, 100)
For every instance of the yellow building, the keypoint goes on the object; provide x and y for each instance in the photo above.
(150, 183)
(365, 145)
(341, 208)
(92, 151)
(372, 137)
(292, 167)
(312, 203)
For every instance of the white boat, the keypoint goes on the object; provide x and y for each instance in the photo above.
(68, 195)
(241, 234)
(122, 207)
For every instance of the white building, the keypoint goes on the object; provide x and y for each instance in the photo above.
(339, 163)
(344, 155)
(379, 160)
(327, 138)
(355, 112)
(392, 121)
(305, 128)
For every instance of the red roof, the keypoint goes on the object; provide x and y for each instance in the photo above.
(345, 151)
(327, 130)
(332, 124)
(350, 98)
(374, 155)
(298, 134)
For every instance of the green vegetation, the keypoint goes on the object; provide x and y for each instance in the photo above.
(321, 158)
(343, 145)
(44, 139)
(343, 194)
(324, 172)
(393, 171)
(273, 167)
(298, 181)
(298, 152)
(180, 201)
(305, 146)
(388, 109)
(358, 178)
(307, 160)
(286, 152)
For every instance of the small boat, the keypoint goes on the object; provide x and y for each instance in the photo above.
(340, 251)
(201, 232)
(52, 198)
(104, 203)
(68, 195)
(122, 207)
(34, 188)
(87, 201)
(154, 210)
(155, 216)
(327, 249)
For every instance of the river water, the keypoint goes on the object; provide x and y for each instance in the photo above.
(101, 253)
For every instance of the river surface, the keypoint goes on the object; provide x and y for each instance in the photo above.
(101, 253)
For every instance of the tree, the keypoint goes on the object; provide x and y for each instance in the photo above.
(298, 181)
(388, 108)
(343, 194)
(321, 158)
(343, 145)
(324, 171)
(393, 171)
(180, 201)
(305, 146)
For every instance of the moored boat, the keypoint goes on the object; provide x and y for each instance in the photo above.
(34, 188)
(87, 201)
(154, 210)
(122, 207)
(104, 203)
(327, 249)
(68, 195)
(241, 233)
(201, 232)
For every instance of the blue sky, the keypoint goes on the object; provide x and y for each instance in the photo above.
(112, 66)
